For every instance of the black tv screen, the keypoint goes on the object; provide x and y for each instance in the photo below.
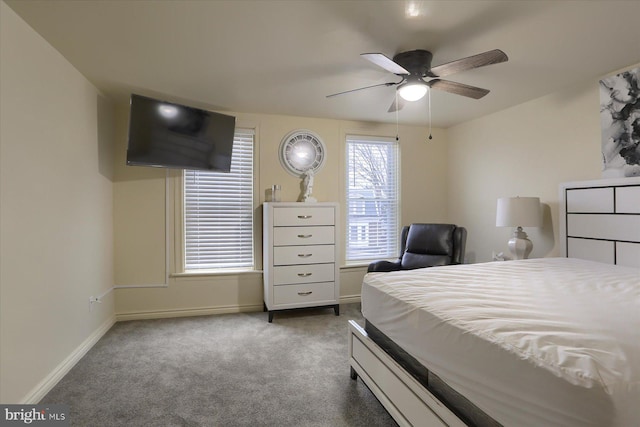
(168, 135)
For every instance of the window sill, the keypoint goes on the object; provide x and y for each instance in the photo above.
(205, 273)
(355, 265)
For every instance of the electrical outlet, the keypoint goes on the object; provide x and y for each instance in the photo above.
(93, 300)
(498, 256)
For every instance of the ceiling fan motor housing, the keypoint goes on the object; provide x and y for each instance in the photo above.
(417, 62)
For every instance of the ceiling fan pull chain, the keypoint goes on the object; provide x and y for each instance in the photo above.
(397, 126)
(429, 97)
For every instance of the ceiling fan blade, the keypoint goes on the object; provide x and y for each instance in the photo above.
(363, 88)
(458, 88)
(396, 105)
(382, 61)
(476, 61)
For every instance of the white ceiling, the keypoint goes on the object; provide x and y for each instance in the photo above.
(284, 57)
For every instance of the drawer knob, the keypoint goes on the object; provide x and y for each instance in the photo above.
(304, 294)
(305, 216)
(304, 274)
(305, 236)
(304, 255)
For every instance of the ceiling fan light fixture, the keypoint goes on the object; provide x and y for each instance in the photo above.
(412, 91)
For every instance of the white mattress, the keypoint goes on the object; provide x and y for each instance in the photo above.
(553, 341)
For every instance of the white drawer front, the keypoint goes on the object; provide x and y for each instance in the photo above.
(307, 273)
(314, 254)
(297, 236)
(303, 216)
(312, 293)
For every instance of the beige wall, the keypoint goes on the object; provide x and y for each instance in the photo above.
(526, 150)
(55, 212)
(140, 213)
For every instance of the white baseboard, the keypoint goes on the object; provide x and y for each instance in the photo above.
(40, 390)
(350, 299)
(206, 311)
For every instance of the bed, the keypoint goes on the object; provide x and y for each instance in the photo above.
(552, 341)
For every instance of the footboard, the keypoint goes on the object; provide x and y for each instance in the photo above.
(408, 402)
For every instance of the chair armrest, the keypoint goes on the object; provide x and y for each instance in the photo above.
(383, 266)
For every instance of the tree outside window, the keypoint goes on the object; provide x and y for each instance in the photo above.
(372, 198)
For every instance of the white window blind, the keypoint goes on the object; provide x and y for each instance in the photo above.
(218, 212)
(372, 198)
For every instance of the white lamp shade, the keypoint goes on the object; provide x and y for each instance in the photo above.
(519, 212)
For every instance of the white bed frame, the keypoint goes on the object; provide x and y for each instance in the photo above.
(408, 402)
(599, 220)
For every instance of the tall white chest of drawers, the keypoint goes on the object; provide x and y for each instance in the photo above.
(300, 256)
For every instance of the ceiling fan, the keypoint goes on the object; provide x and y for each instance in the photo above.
(414, 65)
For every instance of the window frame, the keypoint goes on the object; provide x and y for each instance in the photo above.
(180, 222)
(393, 242)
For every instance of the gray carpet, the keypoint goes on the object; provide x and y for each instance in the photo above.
(225, 370)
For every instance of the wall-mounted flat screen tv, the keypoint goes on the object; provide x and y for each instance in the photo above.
(167, 135)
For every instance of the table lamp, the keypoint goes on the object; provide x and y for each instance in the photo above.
(519, 212)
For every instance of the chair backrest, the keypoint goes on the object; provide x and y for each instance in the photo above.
(429, 245)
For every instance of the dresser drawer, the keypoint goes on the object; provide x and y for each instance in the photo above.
(299, 236)
(311, 293)
(304, 215)
(306, 273)
(315, 254)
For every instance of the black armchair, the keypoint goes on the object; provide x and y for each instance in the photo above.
(426, 245)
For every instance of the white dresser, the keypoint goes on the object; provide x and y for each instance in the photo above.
(300, 254)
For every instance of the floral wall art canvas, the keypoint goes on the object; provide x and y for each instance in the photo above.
(620, 121)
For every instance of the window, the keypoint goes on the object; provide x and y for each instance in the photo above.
(218, 213)
(372, 198)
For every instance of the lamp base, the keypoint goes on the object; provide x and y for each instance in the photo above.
(519, 245)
